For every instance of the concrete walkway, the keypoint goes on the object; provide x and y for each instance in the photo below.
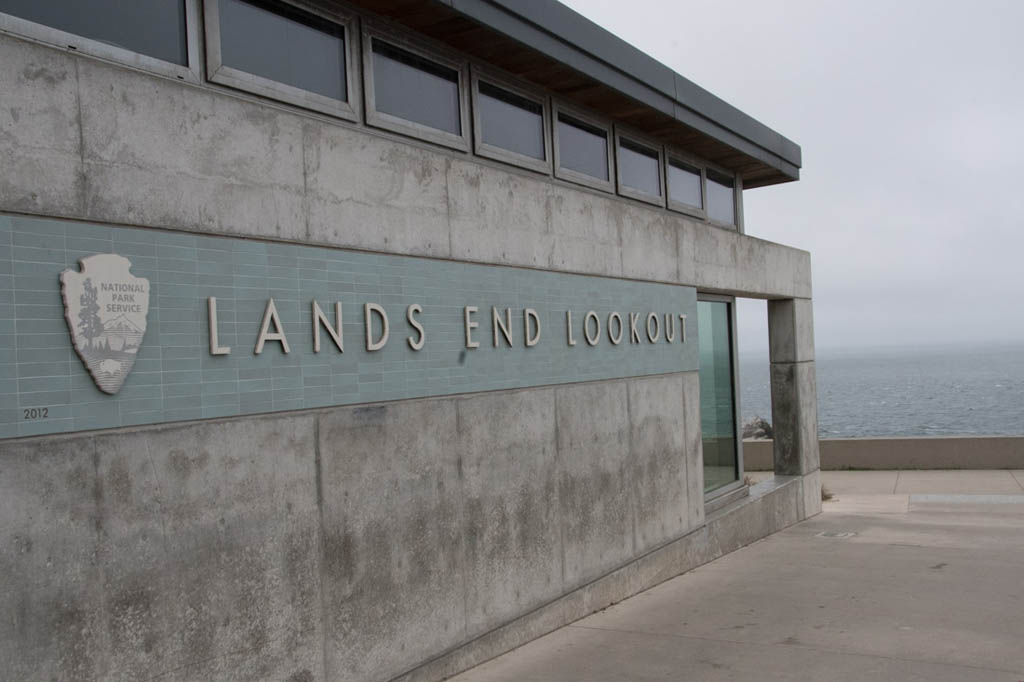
(911, 575)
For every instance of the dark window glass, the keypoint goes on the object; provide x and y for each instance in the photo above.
(414, 88)
(582, 148)
(511, 122)
(717, 413)
(155, 28)
(684, 184)
(638, 168)
(721, 203)
(283, 44)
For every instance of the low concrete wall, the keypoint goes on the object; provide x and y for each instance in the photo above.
(939, 452)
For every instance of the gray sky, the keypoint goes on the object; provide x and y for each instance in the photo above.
(911, 120)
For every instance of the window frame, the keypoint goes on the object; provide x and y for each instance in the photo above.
(576, 177)
(680, 206)
(218, 72)
(658, 148)
(738, 484)
(499, 80)
(378, 119)
(736, 208)
(74, 43)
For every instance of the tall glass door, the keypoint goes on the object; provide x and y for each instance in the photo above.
(717, 393)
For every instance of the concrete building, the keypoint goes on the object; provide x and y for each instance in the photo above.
(367, 340)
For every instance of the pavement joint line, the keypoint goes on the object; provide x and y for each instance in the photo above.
(897, 483)
(1014, 477)
(806, 647)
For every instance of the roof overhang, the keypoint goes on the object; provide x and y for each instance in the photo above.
(545, 42)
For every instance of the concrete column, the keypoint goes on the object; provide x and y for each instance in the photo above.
(794, 394)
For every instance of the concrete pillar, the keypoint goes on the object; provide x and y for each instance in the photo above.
(794, 395)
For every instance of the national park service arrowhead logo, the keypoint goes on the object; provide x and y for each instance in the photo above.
(105, 306)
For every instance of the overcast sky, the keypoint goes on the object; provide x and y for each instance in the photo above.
(911, 120)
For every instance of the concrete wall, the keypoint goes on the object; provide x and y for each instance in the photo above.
(939, 452)
(83, 139)
(405, 539)
(353, 543)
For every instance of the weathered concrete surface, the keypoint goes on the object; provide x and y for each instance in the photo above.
(692, 433)
(749, 518)
(650, 245)
(498, 217)
(40, 147)
(372, 193)
(392, 525)
(811, 488)
(793, 385)
(80, 138)
(594, 482)
(513, 535)
(585, 229)
(189, 552)
(938, 452)
(159, 153)
(359, 543)
(658, 476)
(794, 418)
(929, 594)
(791, 331)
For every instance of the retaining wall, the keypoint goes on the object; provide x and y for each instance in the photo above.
(939, 452)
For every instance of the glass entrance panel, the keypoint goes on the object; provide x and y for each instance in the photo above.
(717, 400)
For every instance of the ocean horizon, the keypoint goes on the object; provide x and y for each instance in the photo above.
(937, 390)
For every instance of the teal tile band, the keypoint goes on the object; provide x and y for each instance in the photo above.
(45, 388)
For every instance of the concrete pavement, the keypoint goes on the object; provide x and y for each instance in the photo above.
(904, 576)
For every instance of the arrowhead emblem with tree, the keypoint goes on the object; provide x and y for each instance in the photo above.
(105, 306)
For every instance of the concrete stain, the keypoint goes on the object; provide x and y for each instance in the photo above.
(127, 102)
(374, 414)
(472, 180)
(533, 518)
(119, 481)
(131, 614)
(184, 464)
(340, 555)
(73, 638)
(22, 544)
(263, 118)
(474, 524)
(41, 73)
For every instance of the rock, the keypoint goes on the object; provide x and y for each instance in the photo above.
(758, 429)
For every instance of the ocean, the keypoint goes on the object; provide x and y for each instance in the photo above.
(925, 391)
